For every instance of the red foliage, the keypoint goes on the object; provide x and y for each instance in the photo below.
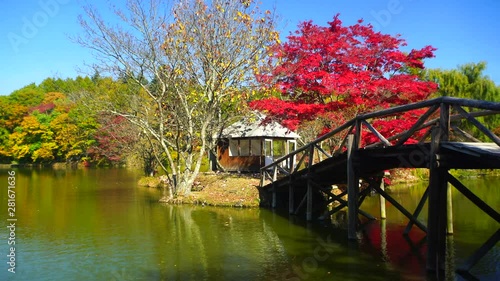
(337, 69)
(43, 108)
(114, 138)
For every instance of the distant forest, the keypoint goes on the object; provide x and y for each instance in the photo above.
(49, 122)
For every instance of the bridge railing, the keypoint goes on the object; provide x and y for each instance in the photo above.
(443, 112)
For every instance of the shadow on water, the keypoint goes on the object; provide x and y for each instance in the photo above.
(321, 251)
(98, 225)
(383, 251)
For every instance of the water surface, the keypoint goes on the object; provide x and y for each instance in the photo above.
(96, 224)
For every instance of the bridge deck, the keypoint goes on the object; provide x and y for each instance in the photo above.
(453, 155)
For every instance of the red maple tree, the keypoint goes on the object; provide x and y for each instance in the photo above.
(336, 72)
(114, 139)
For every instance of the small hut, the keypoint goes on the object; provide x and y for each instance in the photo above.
(252, 143)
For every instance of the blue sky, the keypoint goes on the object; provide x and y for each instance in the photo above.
(35, 44)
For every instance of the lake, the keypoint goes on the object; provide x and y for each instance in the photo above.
(97, 224)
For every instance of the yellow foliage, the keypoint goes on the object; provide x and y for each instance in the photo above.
(44, 153)
(52, 97)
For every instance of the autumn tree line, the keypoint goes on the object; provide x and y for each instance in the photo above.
(171, 75)
(43, 124)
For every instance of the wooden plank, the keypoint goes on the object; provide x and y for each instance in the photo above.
(341, 128)
(444, 123)
(481, 252)
(419, 208)
(454, 147)
(376, 133)
(342, 145)
(362, 197)
(436, 233)
(320, 149)
(476, 123)
(433, 122)
(309, 205)
(481, 104)
(301, 204)
(464, 133)
(301, 160)
(282, 170)
(449, 210)
(352, 188)
(401, 108)
(382, 201)
(343, 202)
(492, 108)
(417, 125)
(473, 198)
(262, 178)
(401, 209)
(336, 209)
(425, 135)
(436, 221)
(275, 178)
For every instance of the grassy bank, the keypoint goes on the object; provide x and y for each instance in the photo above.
(236, 190)
(217, 189)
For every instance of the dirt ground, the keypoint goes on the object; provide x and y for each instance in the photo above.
(225, 189)
(239, 189)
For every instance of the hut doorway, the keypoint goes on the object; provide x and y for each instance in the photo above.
(268, 152)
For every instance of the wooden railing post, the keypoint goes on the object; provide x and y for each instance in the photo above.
(291, 194)
(291, 197)
(309, 205)
(382, 200)
(275, 178)
(352, 188)
(262, 177)
(438, 185)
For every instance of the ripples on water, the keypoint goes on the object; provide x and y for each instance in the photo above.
(98, 225)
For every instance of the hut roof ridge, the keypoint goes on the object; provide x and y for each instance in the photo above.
(257, 126)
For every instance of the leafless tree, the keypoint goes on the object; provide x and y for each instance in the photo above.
(192, 63)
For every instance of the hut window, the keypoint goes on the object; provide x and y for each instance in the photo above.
(244, 147)
(279, 148)
(233, 147)
(256, 150)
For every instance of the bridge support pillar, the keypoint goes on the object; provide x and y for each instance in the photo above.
(382, 200)
(309, 206)
(449, 217)
(438, 192)
(352, 190)
(437, 220)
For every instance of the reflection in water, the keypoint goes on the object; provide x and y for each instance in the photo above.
(98, 225)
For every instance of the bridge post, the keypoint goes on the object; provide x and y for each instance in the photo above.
(382, 200)
(438, 185)
(352, 189)
(291, 194)
(449, 210)
(309, 206)
(275, 178)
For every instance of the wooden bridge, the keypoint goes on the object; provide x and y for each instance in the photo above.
(302, 182)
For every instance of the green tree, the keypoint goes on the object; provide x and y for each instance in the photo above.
(29, 95)
(5, 155)
(468, 81)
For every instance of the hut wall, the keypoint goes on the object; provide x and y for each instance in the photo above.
(238, 163)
